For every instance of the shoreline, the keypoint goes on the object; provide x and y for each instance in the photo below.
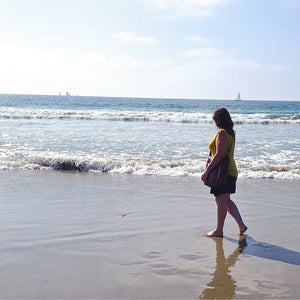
(84, 235)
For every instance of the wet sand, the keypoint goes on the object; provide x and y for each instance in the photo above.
(85, 235)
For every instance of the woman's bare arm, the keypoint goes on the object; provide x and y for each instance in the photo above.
(221, 143)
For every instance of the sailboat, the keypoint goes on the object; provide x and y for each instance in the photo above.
(238, 98)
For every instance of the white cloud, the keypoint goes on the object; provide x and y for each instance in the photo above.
(233, 63)
(213, 57)
(125, 61)
(130, 37)
(119, 61)
(26, 69)
(280, 68)
(217, 60)
(183, 8)
(52, 38)
(93, 57)
(197, 39)
(201, 52)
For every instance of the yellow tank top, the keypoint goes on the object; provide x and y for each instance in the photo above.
(230, 139)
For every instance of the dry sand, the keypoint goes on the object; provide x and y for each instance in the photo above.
(84, 235)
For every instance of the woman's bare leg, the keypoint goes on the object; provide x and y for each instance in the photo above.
(221, 215)
(233, 210)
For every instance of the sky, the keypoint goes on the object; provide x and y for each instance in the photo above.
(200, 49)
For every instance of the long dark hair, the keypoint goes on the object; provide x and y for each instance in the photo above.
(223, 120)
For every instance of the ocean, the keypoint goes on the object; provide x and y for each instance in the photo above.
(139, 136)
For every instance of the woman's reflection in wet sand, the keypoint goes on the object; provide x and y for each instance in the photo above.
(222, 285)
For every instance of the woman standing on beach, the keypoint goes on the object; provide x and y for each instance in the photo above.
(219, 146)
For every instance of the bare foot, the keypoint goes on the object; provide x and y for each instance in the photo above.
(213, 233)
(243, 230)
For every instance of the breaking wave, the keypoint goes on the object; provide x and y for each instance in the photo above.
(141, 116)
(142, 166)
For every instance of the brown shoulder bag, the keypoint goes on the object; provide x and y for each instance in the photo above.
(219, 174)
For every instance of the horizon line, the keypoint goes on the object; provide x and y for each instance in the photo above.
(136, 97)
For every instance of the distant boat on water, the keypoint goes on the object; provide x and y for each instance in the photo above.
(238, 98)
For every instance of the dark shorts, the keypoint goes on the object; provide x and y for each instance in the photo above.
(226, 188)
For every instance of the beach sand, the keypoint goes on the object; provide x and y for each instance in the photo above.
(86, 235)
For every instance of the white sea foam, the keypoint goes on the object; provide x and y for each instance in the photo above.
(144, 116)
(139, 166)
